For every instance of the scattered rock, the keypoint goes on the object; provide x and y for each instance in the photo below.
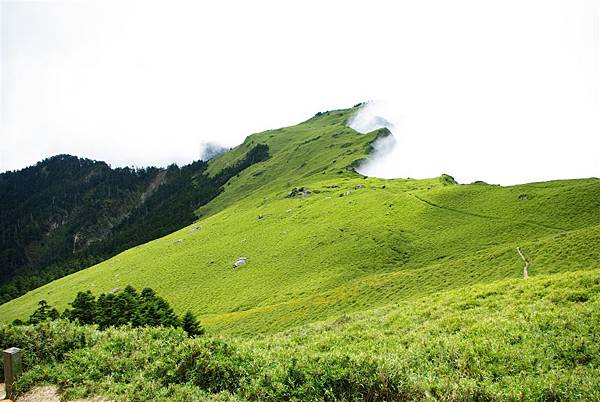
(115, 290)
(317, 191)
(294, 192)
(192, 230)
(346, 193)
(358, 186)
(179, 241)
(447, 180)
(240, 262)
(523, 197)
(301, 191)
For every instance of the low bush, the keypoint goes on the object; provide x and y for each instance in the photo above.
(48, 341)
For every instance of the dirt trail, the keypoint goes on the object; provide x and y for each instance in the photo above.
(37, 394)
(47, 393)
(525, 271)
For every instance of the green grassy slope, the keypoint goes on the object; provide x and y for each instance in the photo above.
(320, 148)
(513, 339)
(355, 244)
(508, 340)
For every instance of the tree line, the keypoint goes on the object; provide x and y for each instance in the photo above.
(127, 307)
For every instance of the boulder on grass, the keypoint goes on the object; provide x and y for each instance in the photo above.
(240, 262)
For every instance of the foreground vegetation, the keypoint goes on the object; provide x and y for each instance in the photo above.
(516, 339)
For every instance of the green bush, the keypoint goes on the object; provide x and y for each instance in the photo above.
(49, 341)
(212, 365)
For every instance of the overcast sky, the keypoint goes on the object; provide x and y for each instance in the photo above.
(502, 91)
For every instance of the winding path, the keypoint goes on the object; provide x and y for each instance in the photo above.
(525, 272)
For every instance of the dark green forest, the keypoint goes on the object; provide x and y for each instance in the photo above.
(67, 213)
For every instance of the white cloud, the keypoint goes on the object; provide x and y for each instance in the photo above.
(499, 91)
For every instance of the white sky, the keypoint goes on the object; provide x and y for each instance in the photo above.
(502, 91)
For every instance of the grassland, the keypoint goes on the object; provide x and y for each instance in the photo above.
(355, 287)
(512, 339)
(354, 243)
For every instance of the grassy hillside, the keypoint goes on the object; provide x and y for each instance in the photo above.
(318, 149)
(508, 340)
(348, 244)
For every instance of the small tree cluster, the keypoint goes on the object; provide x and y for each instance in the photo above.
(128, 307)
(44, 312)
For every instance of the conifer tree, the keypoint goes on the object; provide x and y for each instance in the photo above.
(106, 311)
(191, 325)
(44, 312)
(127, 307)
(83, 308)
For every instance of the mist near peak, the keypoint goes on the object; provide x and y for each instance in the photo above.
(367, 119)
(505, 143)
(210, 150)
(400, 154)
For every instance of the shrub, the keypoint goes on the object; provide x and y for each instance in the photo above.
(48, 341)
(213, 365)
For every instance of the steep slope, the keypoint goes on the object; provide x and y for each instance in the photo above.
(346, 243)
(318, 149)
